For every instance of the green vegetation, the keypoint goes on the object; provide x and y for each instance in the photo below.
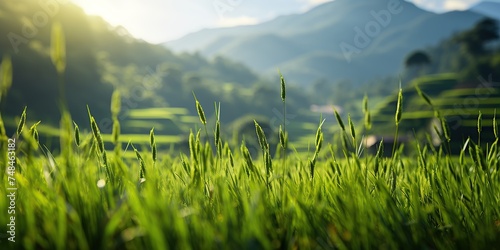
(100, 59)
(102, 188)
(219, 197)
(438, 102)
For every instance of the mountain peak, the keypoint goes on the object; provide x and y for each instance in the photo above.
(333, 40)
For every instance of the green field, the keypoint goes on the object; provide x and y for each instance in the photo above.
(218, 197)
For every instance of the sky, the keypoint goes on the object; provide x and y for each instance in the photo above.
(158, 21)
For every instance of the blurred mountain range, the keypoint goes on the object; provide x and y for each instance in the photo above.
(487, 8)
(340, 40)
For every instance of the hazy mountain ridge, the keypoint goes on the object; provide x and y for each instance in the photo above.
(487, 8)
(316, 36)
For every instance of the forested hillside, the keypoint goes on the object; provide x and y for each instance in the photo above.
(101, 58)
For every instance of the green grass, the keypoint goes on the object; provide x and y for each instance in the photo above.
(141, 139)
(90, 199)
(156, 113)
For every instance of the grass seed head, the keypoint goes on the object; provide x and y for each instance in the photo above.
(365, 103)
(339, 120)
(34, 131)
(283, 88)
(495, 125)
(154, 153)
(142, 171)
(97, 134)
(77, 134)
(351, 127)
(262, 137)
(399, 107)
(368, 120)
(22, 122)
(319, 136)
(424, 96)
(217, 132)
(115, 104)
(152, 143)
(246, 153)
(480, 122)
(199, 108)
(446, 129)
(152, 137)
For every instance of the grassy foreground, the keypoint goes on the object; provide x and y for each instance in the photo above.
(218, 197)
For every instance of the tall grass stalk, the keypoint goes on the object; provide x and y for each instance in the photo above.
(397, 118)
(352, 129)
(201, 115)
(217, 134)
(495, 125)
(142, 165)
(479, 127)
(152, 144)
(100, 146)
(22, 122)
(366, 112)
(283, 133)
(115, 111)
(266, 154)
(58, 56)
(6, 80)
(445, 130)
(77, 134)
(318, 143)
(343, 134)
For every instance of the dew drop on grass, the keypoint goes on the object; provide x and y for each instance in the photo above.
(101, 183)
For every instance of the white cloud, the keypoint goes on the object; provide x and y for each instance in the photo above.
(445, 5)
(429, 4)
(236, 21)
(316, 2)
(458, 4)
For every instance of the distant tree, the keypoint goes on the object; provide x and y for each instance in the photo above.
(417, 59)
(415, 63)
(475, 39)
